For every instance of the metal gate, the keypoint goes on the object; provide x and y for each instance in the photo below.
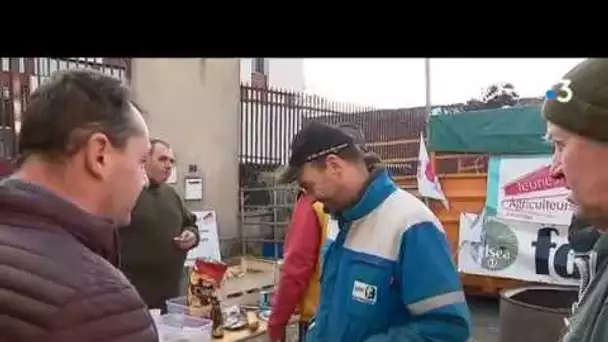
(270, 117)
(20, 76)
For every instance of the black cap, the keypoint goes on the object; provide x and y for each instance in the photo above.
(313, 141)
(355, 131)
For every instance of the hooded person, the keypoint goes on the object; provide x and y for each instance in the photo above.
(576, 110)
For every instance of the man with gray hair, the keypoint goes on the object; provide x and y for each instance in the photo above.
(576, 110)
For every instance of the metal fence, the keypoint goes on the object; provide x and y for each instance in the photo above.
(20, 76)
(392, 133)
(263, 226)
(270, 118)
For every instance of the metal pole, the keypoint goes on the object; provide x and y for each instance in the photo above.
(242, 225)
(275, 215)
(427, 81)
(275, 219)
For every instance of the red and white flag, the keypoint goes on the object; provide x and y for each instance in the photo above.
(428, 183)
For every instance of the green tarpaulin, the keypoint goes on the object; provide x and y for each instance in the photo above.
(498, 131)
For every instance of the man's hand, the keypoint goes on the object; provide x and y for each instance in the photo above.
(185, 240)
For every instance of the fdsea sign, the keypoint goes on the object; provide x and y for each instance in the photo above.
(491, 246)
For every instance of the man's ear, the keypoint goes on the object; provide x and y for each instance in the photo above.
(333, 163)
(96, 155)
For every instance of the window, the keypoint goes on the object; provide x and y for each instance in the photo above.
(259, 66)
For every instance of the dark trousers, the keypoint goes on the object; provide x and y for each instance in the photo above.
(302, 328)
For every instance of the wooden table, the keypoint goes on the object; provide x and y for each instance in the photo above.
(246, 334)
(257, 275)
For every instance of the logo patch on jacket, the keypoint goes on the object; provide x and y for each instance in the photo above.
(365, 293)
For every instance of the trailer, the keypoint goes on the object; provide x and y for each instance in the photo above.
(464, 141)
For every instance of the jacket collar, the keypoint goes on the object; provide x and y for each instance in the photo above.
(378, 187)
(31, 206)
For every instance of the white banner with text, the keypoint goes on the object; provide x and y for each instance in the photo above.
(209, 244)
(491, 246)
(521, 188)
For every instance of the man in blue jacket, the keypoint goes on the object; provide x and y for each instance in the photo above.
(387, 273)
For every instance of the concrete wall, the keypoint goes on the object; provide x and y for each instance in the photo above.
(194, 104)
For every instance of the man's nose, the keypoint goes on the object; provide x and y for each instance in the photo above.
(556, 170)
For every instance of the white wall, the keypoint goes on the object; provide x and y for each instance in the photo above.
(287, 73)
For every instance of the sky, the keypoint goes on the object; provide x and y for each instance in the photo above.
(400, 82)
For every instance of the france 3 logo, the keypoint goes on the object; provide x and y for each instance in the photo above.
(561, 91)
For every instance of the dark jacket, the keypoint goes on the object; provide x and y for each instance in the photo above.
(57, 279)
(583, 238)
(587, 323)
(149, 256)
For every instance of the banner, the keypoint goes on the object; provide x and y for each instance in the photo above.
(521, 188)
(209, 244)
(490, 246)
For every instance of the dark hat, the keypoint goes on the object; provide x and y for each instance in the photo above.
(579, 102)
(354, 131)
(313, 141)
(371, 158)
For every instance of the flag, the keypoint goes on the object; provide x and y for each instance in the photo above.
(428, 183)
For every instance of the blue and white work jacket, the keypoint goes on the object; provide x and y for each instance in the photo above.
(387, 273)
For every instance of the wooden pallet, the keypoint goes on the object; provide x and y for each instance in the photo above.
(244, 281)
(250, 276)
